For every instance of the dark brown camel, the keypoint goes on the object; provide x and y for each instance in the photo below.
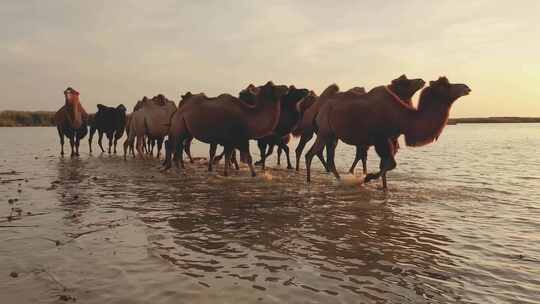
(71, 121)
(288, 119)
(108, 120)
(224, 120)
(379, 116)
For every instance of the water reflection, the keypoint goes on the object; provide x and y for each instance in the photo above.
(275, 234)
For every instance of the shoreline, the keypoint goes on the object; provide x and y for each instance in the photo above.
(10, 118)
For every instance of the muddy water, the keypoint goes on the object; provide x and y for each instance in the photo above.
(461, 224)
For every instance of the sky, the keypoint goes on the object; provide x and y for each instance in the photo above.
(115, 52)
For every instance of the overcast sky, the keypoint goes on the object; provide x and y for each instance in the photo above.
(117, 51)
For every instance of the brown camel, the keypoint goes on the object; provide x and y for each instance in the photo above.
(71, 121)
(402, 88)
(225, 120)
(309, 108)
(151, 119)
(376, 118)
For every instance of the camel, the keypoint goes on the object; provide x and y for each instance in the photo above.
(151, 118)
(288, 119)
(225, 120)
(108, 120)
(379, 116)
(309, 108)
(71, 121)
(400, 86)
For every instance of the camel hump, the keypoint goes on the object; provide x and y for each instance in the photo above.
(121, 107)
(330, 90)
(101, 107)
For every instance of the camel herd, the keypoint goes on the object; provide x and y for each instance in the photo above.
(270, 114)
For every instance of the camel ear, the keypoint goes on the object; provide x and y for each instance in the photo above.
(187, 95)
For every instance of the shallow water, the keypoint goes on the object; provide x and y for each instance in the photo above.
(460, 224)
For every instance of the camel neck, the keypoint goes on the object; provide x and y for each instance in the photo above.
(426, 124)
(396, 98)
(264, 118)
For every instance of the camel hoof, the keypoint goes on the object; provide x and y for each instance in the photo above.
(258, 163)
(370, 177)
(289, 167)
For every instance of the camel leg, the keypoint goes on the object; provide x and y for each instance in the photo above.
(285, 148)
(330, 156)
(168, 154)
(279, 150)
(116, 137)
(234, 161)
(100, 138)
(128, 146)
(262, 149)
(77, 143)
(140, 140)
(228, 153)
(110, 138)
(187, 149)
(246, 155)
(159, 146)
(90, 137)
(386, 151)
(212, 152)
(306, 136)
(219, 157)
(361, 154)
(317, 148)
(61, 135)
(72, 143)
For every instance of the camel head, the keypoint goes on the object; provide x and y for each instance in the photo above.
(306, 102)
(405, 87)
(441, 90)
(186, 96)
(434, 108)
(249, 94)
(140, 104)
(72, 97)
(159, 100)
(272, 92)
(294, 97)
(121, 108)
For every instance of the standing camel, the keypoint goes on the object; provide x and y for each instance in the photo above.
(309, 108)
(225, 120)
(108, 120)
(288, 119)
(71, 121)
(152, 119)
(379, 116)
